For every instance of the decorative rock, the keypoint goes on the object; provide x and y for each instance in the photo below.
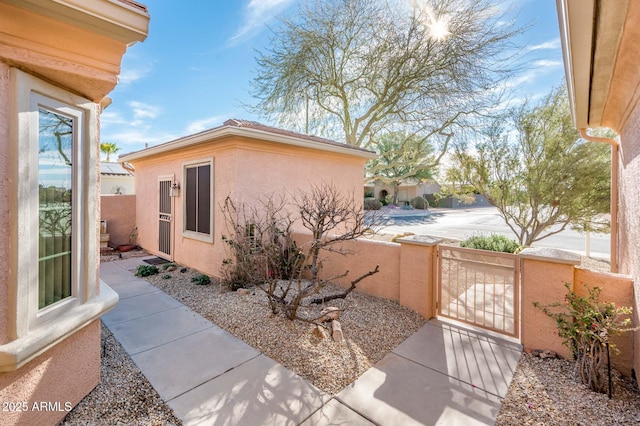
(243, 291)
(548, 354)
(536, 352)
(329, 313)
(317, 333)
(171, 268)
(336, 331)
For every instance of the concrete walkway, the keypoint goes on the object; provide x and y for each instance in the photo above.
(440, 375)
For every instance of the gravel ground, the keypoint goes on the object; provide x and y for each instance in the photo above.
(123, 397)
(543, 392)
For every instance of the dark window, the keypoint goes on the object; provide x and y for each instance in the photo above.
(198, 199)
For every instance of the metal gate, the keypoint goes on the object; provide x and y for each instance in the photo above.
(164, 216)
(480, 288)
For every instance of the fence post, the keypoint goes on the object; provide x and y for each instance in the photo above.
(417, 281)
(544, 274)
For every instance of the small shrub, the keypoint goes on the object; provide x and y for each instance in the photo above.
(372, 204)
(586, 325)
(201, 279)
(146, 270)
(168, 265)
(493, 242)
(166, 277)
(396, 237)
(419, 203)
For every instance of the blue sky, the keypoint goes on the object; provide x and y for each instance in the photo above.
(194, 70)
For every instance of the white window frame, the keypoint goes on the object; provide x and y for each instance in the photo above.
(208, 238)
(31, 94)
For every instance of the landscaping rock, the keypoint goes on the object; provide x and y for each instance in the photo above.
(243, 291)
(329, 313)
(336, 331)
(548, 354)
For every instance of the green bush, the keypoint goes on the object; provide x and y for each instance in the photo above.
(166, 277)
(419, 203)
(201, 279)
(146, 270)
(493, 242)
(372, 204)
(586, 324)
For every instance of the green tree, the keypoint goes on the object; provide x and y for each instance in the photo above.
(539, 174)
(109, 148)
(352, 69)
(403, 157)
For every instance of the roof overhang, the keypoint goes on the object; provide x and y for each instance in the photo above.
(124, 20)
(261, 135)
(592, 33)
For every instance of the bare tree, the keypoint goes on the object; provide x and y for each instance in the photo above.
(350, 69)
(265, 254)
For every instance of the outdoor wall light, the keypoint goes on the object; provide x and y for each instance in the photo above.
(175, 189)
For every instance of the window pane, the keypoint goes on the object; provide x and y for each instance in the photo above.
(204, 197)
(55, 179)
(191, 199)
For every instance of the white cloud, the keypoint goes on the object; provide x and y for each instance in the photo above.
(203, 124)
(547, 45)
(256, 14)
(128, 76)
(143, 111)
(547, 63)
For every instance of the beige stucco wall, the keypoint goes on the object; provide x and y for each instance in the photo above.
(120, 213)
(618, 289)
(364, 255)
(544, 283)
(108, 183)
(628, 215)
(244, 169)
(4, 205)
(63, 375)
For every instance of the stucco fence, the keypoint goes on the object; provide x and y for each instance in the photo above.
(120, 213)
(408, 274)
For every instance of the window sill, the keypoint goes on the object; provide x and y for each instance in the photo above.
(17, 353)
(205, 238)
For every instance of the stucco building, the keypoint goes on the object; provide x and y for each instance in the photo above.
(58, 61)
(181, 185)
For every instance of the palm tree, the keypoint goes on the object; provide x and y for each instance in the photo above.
(108, 148)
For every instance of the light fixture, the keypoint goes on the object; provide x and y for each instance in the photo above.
(175, 189)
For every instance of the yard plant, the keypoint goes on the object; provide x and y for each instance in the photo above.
(493, 242)
(263, 251)
(146, 270)
(586, 326)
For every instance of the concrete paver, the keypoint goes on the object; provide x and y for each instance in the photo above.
(134, 287)
(142, 334)
(183, 364)
(258, 392)
(487, 363)
(398, 391)
(334, 413)
(139, 306)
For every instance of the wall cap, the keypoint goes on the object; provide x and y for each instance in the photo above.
(550, 255)
(420, 240)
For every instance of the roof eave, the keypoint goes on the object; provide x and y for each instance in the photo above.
(576, 21)
(225, 131)
(127, 22)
